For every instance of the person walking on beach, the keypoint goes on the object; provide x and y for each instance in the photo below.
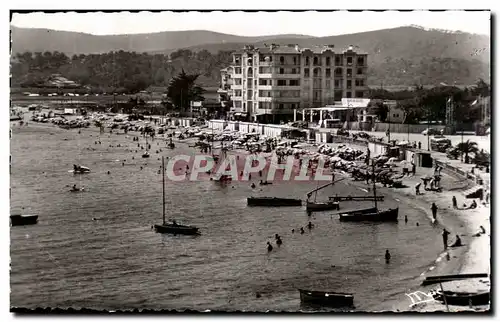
(434, 209)
(387, 256)
(417, 188)
(454, 202)
(445, 238)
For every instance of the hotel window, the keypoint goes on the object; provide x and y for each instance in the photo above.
(281, 71)
(292, 106)
(237, 104)
(280, 106)
(237, 81)
(349, 72)
(349, 83)
(281, 82)
(317, 72)
(255, 82)
(337, 83)
(338, 60)
(327, 61)
(348, 94)
(250, 71)
(359, 94)
(360, 82)
(306, 72)
(282, 60)
(328, 83)
(349, 60)
(338, 71)
(237, 70)
(361, 61)
(315, 61)
(237, 92)
(307, 61)
(360, 71)
(328, 72)
(295, 60)
(244, 107)
(294, 82)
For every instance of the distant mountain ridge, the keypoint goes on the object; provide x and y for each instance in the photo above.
(397, 56)
(68, 42)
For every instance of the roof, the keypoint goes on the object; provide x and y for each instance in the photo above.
(286, 49)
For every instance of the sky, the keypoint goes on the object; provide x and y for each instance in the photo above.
(312, 23)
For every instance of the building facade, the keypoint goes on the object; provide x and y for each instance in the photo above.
(279, 79)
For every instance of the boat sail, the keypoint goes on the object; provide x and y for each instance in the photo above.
(172, 228)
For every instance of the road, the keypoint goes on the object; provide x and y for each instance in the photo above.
(483, 142)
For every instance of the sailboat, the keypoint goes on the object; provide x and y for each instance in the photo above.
(371, 214)
(173, 228)
(321, 206)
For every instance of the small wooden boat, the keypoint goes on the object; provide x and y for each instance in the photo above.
(357, 198)
(21, 220)
(145, 155)
(80, 169)
(463, 298)
(322, 206)
(377, 215)
(77, 190)
(372, 214)
(176, 229)
(334, 299)
(273, 202)
(447, 278)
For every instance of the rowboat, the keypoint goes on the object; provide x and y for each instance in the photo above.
(21, 220)
(334, 299)
(463, 298)
(273, 202)
(376, 216)
(321, 206)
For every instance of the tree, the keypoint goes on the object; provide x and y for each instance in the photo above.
(466, 148)
(382, 111)
(182, 90)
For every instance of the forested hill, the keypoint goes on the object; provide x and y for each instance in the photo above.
(399, 56)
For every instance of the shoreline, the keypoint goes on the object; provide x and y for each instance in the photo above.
(464, 259)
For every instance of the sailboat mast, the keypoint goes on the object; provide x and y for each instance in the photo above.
(163, 185)
(374, 186)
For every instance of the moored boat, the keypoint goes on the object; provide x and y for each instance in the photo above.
(273, 202)
(375, 215)
(463, 298)
(21, 220)
(322, 206)
(173, 228)
(176, 229)
(80, 169)
(333, 299)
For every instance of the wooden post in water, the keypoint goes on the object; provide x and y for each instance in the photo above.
(163, 185)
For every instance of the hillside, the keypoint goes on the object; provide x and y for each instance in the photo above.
(33, 40)
(398, 56)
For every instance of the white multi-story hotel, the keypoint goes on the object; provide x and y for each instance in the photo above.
(278, 79)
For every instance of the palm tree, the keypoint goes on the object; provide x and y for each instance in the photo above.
(182, 89)
(466, 148)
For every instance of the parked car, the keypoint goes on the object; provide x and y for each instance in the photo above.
(342, 132)
(430, 132)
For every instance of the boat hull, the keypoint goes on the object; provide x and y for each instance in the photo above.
(19, 220)
(332, 299)
(273, 202)
(322, 206)
(463, 299)
(390, 215)
(176, 230)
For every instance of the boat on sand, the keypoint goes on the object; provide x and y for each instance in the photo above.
(332, 299)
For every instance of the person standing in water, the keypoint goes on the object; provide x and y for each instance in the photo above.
(434, 209)
(387, 256)
(445, 238)
(454, 202)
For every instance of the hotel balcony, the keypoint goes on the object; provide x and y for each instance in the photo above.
(233, 87)
(265, 75)
(287, 76)
(264, 87)
(264, 99)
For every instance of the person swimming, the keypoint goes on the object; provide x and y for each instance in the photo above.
(302, 230)
(279, 241)
(310, 225)
(269, 247)
(387, 256)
